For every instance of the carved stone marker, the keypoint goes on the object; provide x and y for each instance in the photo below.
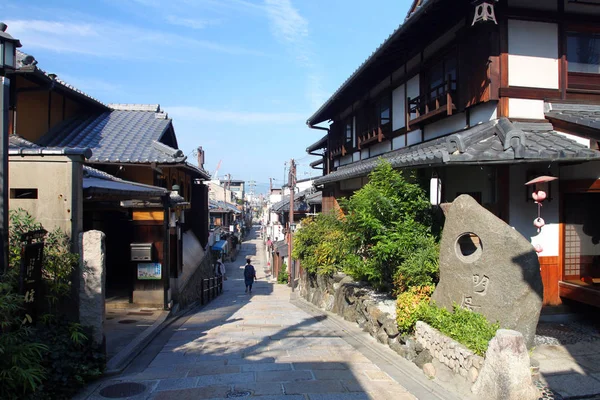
(488, 267)
(92, 282)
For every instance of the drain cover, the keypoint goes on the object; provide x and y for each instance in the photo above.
(241, 393)
(128, 321)
(121, 390)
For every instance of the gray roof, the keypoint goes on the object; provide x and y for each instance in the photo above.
(18, 145)
(217, 206)
(302, 201)
(117, 137)
(318, 145)
(587, 115)
(498, 141)
(98, 183)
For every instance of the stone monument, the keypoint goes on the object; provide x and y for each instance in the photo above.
(490, 268)
(92, 282)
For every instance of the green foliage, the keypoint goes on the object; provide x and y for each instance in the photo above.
(408, 304)
(467, 327)
(283, 275)
(71, 360)
(388, 222)
(53, 358)
(321, 244)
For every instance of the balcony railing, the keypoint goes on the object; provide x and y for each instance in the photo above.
(373, 135)
(337, 149)
(438, 100)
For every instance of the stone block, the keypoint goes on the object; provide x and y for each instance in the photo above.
(92, 282)
(429, 370)
(473, 374)
(423, 358)
(505, 375)
(490, 268)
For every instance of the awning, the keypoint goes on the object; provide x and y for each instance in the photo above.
(221, 245)
(98, 185)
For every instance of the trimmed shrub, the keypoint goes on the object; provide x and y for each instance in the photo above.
(283, 275)
(408, 304)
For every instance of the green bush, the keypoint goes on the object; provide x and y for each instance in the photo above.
(51, 358)
(388, 223)
(283, 276)
(469, 328)
(407, 306)
(321, 244)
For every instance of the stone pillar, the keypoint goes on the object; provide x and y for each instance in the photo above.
(506, 373)
(92, 279)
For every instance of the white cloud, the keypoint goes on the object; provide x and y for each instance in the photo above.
(193, 23)
(114, 40)
(232, 117)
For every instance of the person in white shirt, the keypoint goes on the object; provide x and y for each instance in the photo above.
(220, 269)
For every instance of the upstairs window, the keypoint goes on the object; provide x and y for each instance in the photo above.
(583, 52)
(348, 132)
(383, 109)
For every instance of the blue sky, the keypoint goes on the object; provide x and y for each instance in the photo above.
(238, 77)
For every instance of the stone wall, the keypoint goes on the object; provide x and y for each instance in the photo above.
(449, 352)
(191, 291)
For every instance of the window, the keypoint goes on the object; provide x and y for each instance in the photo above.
(583, 52)
(383, 109)
(439, 74)
(348, 131)
(23, 193)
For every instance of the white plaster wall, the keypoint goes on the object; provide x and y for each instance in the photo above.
(588, 170)
(399, 107)
(364, 153)
(578, 139)
(356, 156)
(412, 90)
(414, 137)
(336, 163)
(346, 160)
(354, 130)
(483, 113)
(533, 54)
(381, 148)
(525, 108)
(399, 142)
(522, 213)
(534, 4)
(445, 126)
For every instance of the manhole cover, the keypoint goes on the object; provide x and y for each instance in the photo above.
(120, 390)
(241, 393)
(128, 321)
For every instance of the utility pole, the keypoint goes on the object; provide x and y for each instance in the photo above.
(270, 185)
(292, 184)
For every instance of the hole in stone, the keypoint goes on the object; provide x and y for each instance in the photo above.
(128, 321)
(122, 390)
(469, 247)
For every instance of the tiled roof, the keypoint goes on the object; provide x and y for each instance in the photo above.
(217, 206)
(302, 201)
(96, 182)
(318, 145)
(117, 137)
(587, 115)
(17, 145)
(498, 141)
(27, 64)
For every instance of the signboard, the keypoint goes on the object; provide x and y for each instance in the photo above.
(30, 277)
(149, 271)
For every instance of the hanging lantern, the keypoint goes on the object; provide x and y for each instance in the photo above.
(541, 186)
(484, 11)
(538, 248)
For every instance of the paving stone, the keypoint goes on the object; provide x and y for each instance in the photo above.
(207, 380)
(317, 365)
(178, 383)
(283, 376)
(569, 385)
(209, 392)
(261, 388)
(339, 396)
(212, 370)
(266, 367)
(313, 387)
(333, 374)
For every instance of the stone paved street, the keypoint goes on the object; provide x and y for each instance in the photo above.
(258, 345)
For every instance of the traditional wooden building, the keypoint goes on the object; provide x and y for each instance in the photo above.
(484, 106)
(124, 143)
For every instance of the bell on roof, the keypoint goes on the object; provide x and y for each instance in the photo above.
(484, 11)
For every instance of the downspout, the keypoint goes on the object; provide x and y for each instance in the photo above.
(326, 161)
(166, 250)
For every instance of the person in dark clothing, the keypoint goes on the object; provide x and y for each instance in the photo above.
(249, 275)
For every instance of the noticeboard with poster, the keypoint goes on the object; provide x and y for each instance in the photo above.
(149, 271)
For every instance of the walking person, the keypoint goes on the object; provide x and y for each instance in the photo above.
(220, 269)
(249, 275)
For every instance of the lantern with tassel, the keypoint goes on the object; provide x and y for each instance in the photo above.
(539, 195)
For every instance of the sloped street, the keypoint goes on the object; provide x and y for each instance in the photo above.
(259, 345)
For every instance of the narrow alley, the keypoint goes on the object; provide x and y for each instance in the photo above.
(259, 345)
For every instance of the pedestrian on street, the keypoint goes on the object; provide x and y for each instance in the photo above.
(220, 269)
(249, 275)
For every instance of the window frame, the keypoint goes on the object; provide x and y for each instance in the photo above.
(580, 81)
